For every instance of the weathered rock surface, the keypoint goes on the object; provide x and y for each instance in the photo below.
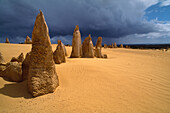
(2, 64)
(1, 59)
(12, 72)
(76, 44)
(25, 66)
(20, 58)
(98, 47)
(42, 77)
(115, 45)
(7, 40)
(87, 48)
(28, 40)
(59, 54)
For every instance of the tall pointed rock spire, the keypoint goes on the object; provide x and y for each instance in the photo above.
(42, 76)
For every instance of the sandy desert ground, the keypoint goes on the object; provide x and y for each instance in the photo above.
(129, 81)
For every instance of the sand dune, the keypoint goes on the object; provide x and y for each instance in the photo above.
(129, 81)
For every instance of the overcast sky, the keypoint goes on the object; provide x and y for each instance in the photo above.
(121, 21)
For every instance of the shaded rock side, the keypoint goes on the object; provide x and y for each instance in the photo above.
(87, 48)
(20, 58)
(7, 40)
(76, 44)
(59, 53)
(42, 76)
(28, 40)
(25, 66)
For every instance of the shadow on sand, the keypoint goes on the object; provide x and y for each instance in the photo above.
(16, 90)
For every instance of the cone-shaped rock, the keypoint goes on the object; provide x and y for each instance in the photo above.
(87, 48)
(98, 47)
(28, 40)
(121, 45)
(76, 44)
(20, 58)
(42, 77)
(59, 54)
(7, 40)
(115, 45)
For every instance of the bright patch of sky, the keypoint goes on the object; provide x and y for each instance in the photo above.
(159, 11)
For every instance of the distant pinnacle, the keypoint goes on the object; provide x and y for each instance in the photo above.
(77, 28)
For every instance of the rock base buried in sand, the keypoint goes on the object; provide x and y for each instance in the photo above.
(59, 54)
(42, 77)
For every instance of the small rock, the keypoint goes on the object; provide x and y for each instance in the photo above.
(7, 40)
(59, 54)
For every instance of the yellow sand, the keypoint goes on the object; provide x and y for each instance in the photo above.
(129, 81)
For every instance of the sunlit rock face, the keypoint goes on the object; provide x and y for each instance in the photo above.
(98, 47)
(42, 77)
(76, 44)
(87, 48)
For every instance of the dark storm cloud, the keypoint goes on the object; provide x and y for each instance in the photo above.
(107, 18)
